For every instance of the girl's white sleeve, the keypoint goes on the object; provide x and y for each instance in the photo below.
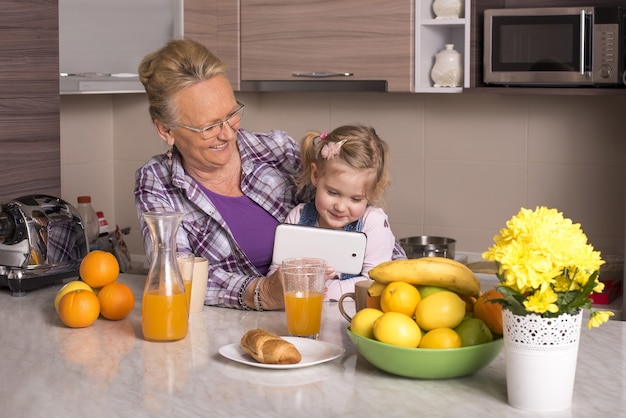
(379, 248)
(380, 239)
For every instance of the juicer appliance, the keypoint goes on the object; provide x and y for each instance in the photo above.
(42, 241)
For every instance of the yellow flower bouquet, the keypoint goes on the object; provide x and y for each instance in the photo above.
(546, 267)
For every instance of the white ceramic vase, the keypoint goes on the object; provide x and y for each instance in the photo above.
(448, 9)
(448, 68)
(541, 356)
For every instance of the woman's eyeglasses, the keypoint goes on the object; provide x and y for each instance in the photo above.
(213, 130)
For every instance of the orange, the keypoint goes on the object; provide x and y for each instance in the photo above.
(73, 285)
(443, 309)
(99, 268)
(441, 338)
(79, 308)
(400, 297)
(116, 301)
(489, 312)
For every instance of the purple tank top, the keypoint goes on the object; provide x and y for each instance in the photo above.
(252, 227)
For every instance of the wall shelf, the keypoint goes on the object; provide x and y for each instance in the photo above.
(431, 36)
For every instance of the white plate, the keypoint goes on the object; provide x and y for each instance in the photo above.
(313, 352)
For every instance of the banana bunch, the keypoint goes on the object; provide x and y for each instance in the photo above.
(428, 271)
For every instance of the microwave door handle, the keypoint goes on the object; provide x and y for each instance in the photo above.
(582, 42)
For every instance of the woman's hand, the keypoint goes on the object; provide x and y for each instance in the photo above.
(271, 291)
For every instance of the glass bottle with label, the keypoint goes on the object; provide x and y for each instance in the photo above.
(164, 312)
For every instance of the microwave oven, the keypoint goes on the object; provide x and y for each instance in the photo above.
(556, 46)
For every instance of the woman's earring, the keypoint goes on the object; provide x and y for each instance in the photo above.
(169, 158)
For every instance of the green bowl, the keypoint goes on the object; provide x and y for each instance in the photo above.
(427, 363)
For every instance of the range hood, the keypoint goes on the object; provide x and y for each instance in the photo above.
(321, 81)
(100, 83)
(314, 85)
(102, 42)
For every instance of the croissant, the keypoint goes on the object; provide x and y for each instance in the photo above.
(265, 347)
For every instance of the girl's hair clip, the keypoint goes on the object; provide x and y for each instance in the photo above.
(323, 136)
(331, 149)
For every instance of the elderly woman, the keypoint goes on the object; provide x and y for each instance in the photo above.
(233, 186)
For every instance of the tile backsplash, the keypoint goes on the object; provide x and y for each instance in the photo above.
(461, 164)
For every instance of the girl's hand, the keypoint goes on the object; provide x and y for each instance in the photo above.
(331, 273)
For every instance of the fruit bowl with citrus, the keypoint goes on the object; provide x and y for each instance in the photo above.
(428, 332)
(426, 363)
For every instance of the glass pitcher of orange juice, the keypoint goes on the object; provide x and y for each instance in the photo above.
(164, 310)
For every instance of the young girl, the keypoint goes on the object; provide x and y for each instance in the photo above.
(348, 170)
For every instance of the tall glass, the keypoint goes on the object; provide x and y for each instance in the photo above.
(303, 284)
(164, 310)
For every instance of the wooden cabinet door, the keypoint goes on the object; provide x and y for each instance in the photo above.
(30, 156)
(370, 39)
(215, 23)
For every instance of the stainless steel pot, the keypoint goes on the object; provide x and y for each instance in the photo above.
(428, 246)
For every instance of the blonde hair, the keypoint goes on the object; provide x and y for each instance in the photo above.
(179, 64)
(359, 147)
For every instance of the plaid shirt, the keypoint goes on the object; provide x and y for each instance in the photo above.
(269, 163)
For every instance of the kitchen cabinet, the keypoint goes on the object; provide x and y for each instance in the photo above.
(431, 36)
(364, 43)
(215, 24)
(29, 99)
(392, 48)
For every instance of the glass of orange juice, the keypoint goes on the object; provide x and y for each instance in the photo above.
(303, 284)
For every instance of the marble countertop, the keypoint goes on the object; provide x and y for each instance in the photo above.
(107, 369)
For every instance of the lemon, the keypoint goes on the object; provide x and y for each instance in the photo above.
(70, 286)
(363, 322)
(441, 338)
(397, 329)
(400, 297)
(443, 309)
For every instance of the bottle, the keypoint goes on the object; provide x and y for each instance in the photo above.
(89, 218)
(164, 312)
(104, 225)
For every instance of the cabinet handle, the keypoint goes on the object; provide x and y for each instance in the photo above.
(322, 74)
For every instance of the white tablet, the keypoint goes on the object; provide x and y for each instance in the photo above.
(343, 250)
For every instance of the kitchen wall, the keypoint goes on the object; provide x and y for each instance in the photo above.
(461, 164)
